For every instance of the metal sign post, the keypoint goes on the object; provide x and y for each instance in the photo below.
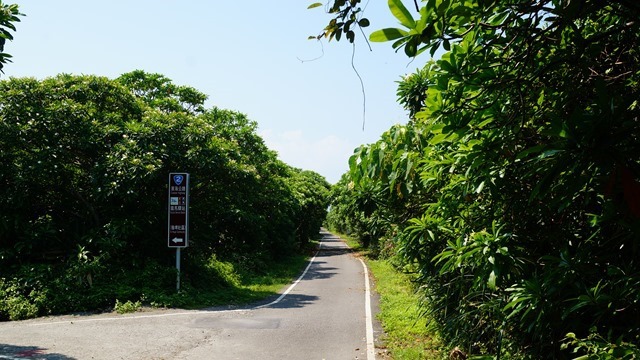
(178, 268)
(178, 224)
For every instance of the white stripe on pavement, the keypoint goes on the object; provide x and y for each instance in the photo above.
(294, 284)
(371, 348)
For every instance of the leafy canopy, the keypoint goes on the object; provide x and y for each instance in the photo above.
(512, 190)
(84, 166)
(9, 15)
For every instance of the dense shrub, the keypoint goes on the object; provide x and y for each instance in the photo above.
(84, 167)
(513, 189)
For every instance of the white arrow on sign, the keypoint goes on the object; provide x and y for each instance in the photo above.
(177, 240)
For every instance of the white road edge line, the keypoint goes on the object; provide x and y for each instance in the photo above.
(313, 259)
(195, 312)
(371, 348)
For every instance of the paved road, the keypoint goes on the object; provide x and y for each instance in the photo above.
(322, 316)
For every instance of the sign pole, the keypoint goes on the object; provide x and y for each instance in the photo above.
(178, 268)
(178, 216)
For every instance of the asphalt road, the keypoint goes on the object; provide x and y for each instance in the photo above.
(325, 314)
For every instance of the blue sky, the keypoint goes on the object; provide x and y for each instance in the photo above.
(245, 55)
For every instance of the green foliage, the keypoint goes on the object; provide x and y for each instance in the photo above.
(224, 270)
(127, 307)
(9, 15)
(512, 191)
(597, 347)
(84, 164)
(408, 334)
(160, 93)
(412, 91)
(311, 192)
(17, 305)
(348, 16)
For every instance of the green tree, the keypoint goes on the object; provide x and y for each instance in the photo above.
(84, 164)
(311, 191)
(159, 92)
(525, 169)
(9, 15)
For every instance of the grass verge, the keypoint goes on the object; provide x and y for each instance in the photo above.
(39, 290)
(232, 285)
(408, 334)
(250, 287)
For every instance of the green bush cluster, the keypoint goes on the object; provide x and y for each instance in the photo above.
(127, 306)
(33, 289)
(597, 347)
(84, 167)
(512, 192)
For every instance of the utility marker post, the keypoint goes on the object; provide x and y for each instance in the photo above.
(178, 224)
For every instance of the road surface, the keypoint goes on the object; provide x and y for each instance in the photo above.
(325, 314)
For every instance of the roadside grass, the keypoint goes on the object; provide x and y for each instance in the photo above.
(246, 287)
(276, 277)
(33, 291)
(408, 334)
(255, 287)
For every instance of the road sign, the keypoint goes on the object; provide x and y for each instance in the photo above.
(178, 234)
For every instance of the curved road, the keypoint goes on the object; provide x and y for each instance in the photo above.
(325, 314)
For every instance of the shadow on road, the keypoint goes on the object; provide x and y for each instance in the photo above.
(293, 301)
(333, 252)
(317, 271)
(29, 352)
(332, 246)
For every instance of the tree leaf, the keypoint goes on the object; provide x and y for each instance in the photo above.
(351, 36)
(401, 13)
(446, 66)
(314, 5)
(364, 22)
(492, 280)
(411, 48)
(532, 150)
(387, 34)
(438, 139)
